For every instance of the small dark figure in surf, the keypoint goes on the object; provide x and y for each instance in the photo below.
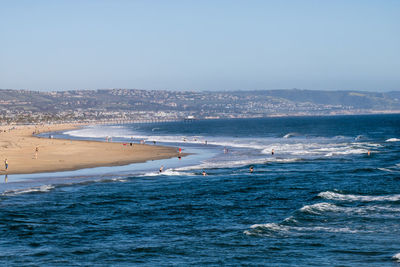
(251, 169)
(272, 152)
(161, 169)
(369, 153)
(204, 173)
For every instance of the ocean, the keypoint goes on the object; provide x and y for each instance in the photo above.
(319, 200)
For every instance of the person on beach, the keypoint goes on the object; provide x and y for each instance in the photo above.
(6, 164)
(161, 169)
(36, 152)
(251, 169)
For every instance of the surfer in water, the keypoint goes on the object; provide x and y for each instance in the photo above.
(251, 169)
(204, 173)
(161, 169)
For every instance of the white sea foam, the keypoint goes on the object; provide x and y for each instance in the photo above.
(263, 229)
(42, 188)
(101, 132)
(350, 197)
(314, 149)
(168, 172)
(319, 207)
(396, 257)
(387, 170)
(222, 164)
(289, 135)
(393, 140)
(270, 227)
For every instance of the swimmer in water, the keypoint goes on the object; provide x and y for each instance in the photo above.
(369, 153)
(272, 152)
(161, 169)
(251, 169)
(204, 173)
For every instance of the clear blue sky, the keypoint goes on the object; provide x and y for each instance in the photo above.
(200, 45)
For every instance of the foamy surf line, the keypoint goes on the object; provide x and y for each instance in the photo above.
(328, 147)
(42, 188)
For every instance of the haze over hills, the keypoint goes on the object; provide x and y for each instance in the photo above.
(25, 106)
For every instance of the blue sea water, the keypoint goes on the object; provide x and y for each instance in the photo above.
(320, 200)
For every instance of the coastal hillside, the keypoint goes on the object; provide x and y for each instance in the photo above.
(133, 104)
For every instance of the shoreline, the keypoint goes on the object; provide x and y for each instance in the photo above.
(18, 145)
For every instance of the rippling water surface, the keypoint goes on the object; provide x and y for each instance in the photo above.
(320, 200)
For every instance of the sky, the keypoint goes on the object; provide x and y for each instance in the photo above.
(200, 45)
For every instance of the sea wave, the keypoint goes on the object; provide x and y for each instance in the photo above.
(350, 197)
(289, 135)
(393, 140)
(284, 147)
(320, 208)
(42, 188)
(271, 228)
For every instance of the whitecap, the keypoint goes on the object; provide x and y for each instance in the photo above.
(386, 170)
(350, 197)
(268, 228)
(396, 257)
(289, 135)
(319, 207)
(393, 140)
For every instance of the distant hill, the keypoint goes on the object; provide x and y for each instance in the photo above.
(21, 105)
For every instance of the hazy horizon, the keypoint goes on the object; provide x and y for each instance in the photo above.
(200, 46)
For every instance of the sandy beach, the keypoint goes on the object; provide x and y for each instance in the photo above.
(26, 153)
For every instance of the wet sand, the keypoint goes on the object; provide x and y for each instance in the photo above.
(18, 146)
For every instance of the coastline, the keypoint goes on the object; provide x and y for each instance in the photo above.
(18, 145)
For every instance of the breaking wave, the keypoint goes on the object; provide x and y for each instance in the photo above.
(42, 188)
